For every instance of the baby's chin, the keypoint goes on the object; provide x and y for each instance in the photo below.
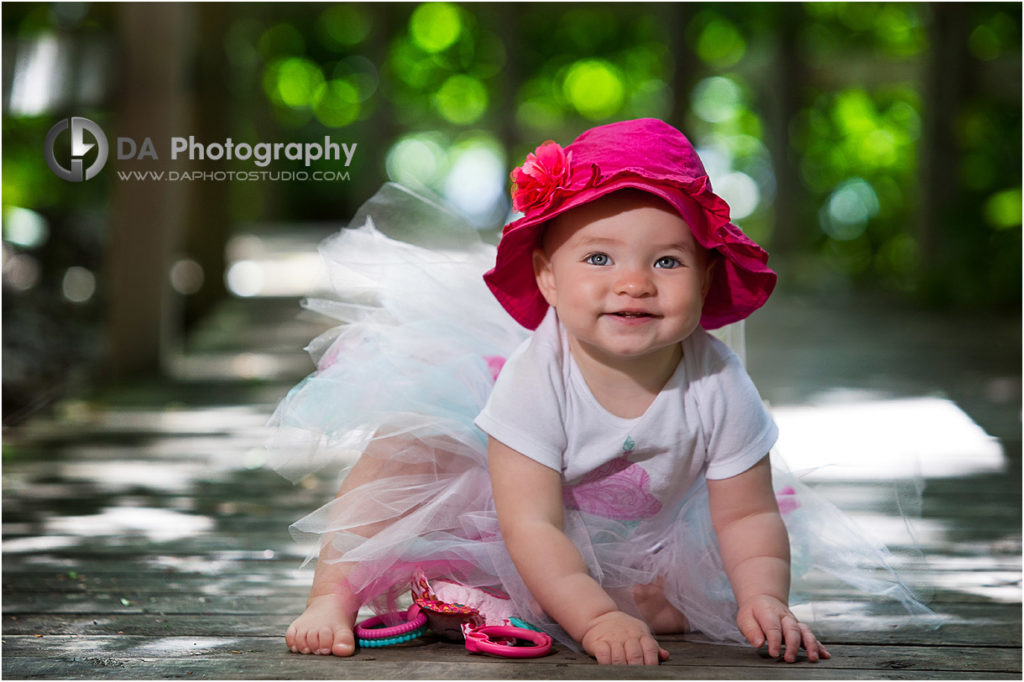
(633, 353)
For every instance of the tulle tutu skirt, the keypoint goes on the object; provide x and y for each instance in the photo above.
(399, 383)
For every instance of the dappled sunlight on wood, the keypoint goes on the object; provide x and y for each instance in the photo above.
(884, 438)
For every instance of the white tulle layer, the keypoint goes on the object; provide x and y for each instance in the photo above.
(401, 380)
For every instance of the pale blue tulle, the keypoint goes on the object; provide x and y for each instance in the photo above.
(401, 380)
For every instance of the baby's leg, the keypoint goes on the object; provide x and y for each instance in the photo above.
(655, 609)
(326, 626)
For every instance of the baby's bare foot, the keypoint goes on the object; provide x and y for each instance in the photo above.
(660, 615)
(324, 628)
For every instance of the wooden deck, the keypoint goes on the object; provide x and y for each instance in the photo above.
(143, 539)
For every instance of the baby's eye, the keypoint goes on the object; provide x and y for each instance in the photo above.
(667, 262)
(598, 259)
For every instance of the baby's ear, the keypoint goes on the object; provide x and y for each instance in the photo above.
(709, 272)
(545, 276)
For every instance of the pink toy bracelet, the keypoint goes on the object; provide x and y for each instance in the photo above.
(371, 627)
(478, 641)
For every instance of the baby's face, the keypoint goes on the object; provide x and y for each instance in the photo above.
(626, 276)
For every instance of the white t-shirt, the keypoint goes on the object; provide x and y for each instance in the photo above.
(708, 421)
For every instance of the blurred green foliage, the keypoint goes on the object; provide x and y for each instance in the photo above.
(426, 87)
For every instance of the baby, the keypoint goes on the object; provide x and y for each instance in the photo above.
(630, 487)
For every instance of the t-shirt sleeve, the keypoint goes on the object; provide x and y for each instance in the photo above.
(525, 408)
(740, 429)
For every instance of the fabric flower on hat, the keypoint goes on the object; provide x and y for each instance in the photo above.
(545, 170)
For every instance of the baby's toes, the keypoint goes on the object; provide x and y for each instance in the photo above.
(299, 644)
(320, 641)
(307, 640)
(344, 642)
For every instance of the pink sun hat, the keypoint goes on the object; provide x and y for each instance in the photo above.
(645, 154)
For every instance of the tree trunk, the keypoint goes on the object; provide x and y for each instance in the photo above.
(945, 82)
(781, 104)
(209, 214)
(146, 216)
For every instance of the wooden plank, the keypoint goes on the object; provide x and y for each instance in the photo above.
(318, 668)
(286, 599)
(153, 581)
(220, 545)
(973, 624)
(110, 603)
(972, 661)
(191, 453)
(271, 601)
(286, 563)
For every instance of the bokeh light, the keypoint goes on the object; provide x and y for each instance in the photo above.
(461, 99)
(78, 284)
(361, 73)
(849, 209)
(279, 40)
(24, 228)
(985, 43)
(1003, 209)
(244, 278)
(417, 160)
(718, 42)
(475, 185)
(717, 99)
(539, 108)
(20, 270)
(410, 66)
(897, 258)
(899, 30)
(344, 25)
(435, 26)
(741, 192)
(186, 276)
(293, 81)
(595, 88)
(336, 103)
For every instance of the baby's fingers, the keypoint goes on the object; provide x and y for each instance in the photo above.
(815, 649)
(759, 634)
(652, 653)
(773, 632)
(644, 651)
(794, 634)
(751, 629)
(602, 651)
(631, 653)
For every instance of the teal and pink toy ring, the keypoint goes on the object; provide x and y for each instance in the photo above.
(506, 641)
(372, 633)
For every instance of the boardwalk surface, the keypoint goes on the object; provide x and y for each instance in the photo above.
(142, 538)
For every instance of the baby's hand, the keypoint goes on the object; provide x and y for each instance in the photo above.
(765, 618)
(618, 638)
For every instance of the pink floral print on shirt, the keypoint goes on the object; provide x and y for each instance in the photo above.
(619, 489)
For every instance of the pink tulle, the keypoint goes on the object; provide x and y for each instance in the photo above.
(787, 500)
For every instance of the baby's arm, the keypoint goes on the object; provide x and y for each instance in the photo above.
(528, 498)
(755, 549)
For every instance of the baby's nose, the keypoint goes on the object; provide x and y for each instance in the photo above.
(634, 282)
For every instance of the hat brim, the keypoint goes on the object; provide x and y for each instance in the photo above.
(741, 282)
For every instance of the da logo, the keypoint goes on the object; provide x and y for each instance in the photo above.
(79, 148)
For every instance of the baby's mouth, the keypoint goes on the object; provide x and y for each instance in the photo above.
(632, 314)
